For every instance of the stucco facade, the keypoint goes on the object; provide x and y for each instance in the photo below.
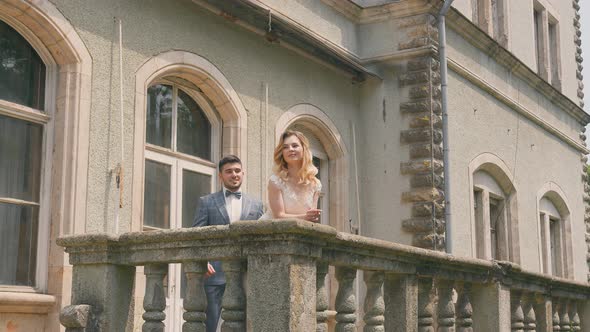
(362, 76)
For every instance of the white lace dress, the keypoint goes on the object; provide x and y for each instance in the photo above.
(296, 199)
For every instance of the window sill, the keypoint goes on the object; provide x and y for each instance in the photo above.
(28, 303)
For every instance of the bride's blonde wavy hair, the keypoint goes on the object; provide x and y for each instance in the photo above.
(308, 171)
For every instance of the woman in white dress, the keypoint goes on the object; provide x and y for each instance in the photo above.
(293, 189)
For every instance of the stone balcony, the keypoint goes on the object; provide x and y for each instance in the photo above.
(276, 273)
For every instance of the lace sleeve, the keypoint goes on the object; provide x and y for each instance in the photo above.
(276, 180)
(318, 186)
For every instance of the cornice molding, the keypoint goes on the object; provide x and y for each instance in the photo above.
(373, 14)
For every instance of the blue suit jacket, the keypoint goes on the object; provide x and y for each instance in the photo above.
(212, 211)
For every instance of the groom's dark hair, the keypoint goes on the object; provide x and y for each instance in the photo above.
(229, 159)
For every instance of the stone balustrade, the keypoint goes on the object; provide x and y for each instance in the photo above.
(276, 273)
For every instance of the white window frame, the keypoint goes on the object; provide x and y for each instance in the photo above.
(488, 246)
(324, 179)
(553, 260)
(178, 162)
(44, 118)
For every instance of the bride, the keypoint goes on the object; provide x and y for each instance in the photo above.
(293, 189)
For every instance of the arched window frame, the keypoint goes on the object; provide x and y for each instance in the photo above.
(560, 216)
(45, 118)
(508, 243)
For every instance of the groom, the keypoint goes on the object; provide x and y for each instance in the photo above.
(222, 208)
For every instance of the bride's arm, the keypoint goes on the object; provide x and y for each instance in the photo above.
(275, 202)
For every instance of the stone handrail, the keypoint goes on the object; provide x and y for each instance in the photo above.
(407, 288)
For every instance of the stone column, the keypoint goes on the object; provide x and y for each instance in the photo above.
(446, 307)
(400, 294)
(374, 304)
(321, 297)
(108, 289)
(195, 300)
(491, 308)
(543, 312)
(425, 306)
(530, 317)
(234, 298)
(464, 309)
(281, 293)
(345, 300)
(154, 300)
(517, 313)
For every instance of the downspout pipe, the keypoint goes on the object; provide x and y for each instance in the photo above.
(442, 54)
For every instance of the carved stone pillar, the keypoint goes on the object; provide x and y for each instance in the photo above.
(464, 309)
(321, 303)
(425, 306)
(234, 298)
(556, 320)
(446, 307)
(530, 318)
(517, 314)
(195, 300)
(374, 304)
(345, 300)
(154, 300)
(575, 317)
(400, 295)
(564, 317)
(543, 312)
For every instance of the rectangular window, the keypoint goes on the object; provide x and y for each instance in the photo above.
(495, 215)
(554, 55)
(538, 39)
(555, 245)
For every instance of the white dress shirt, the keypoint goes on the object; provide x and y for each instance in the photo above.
(233, 206)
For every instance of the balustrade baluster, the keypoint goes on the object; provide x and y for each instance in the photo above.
(321, 303)
(195, 300)
(446, 307)
(530, 318)
(564, 316)
(374, 304)
(234, 298)
(576, 325)
(345, 300)
(425, 306)
(464, 310)
(517, 315)
(556, 320)
(154, 300)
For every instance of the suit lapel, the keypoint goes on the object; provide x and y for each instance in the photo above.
(220, 203)
(246, 205)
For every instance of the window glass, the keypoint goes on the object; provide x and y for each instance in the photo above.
(20, 165)
(22, 73)
(18, 244)
(194, 185)
(194, 129)
(159, 115)
(156, 205)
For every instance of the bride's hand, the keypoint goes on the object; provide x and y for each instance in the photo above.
(313, 215)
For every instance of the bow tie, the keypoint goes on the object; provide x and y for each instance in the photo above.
(237, 194)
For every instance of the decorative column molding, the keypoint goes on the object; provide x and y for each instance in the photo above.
(530, 319)
(420, 87)
(517, 313)
(374, 303)
(446, 307)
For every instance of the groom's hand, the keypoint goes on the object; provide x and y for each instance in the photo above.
(210, 270)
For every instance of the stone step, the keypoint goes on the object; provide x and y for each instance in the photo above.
(427, 194)
(423, 225)
(425, 209)
(421, 135)
(421, 166)
(426, 180)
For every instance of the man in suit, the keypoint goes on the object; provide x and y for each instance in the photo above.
(222, 208)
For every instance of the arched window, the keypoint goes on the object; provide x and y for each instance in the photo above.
(554, 233)
(495, 232)
(182, 131)
(24, 160)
